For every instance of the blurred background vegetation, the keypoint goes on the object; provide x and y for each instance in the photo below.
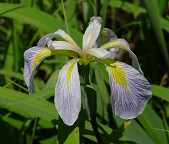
(33, 119)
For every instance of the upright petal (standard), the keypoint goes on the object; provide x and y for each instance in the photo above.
(91, 33)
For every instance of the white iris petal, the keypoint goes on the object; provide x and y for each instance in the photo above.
(123, 44)
(91, 33)
(33, 57)
(68, 93)
(98, 52)
(63, 45)
(130, 90)
(44, 40)
(64, 35)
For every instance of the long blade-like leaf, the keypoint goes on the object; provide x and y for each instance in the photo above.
(161, 92)
(154, 13)
(43, 93)
(39, 108)
(45, 22)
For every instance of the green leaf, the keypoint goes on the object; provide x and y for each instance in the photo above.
(150, 120)
(136, 133)
(67, 134)
(105, 132)
(103, 98)
(30, 15)
(160, 92)
(128, 7)
(11, 74)
(45, 22)
(102, 70)
(104, 12)
(162, 5)
(154, 13)
(136, 10)
(52, 79)
(38, 108)
(40, 94)
(13, 121)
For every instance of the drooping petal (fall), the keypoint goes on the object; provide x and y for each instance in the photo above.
(123, 44)
(33, 58)
(91, 33)
(68, 93)
(130, 90)
(45, 40)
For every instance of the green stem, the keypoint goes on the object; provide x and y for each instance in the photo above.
(165, 123)
(92, 103)
(34, 130)
(65, 17)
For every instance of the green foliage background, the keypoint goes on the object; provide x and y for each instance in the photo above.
(31, 119)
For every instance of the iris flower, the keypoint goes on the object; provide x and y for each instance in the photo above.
(130, 90)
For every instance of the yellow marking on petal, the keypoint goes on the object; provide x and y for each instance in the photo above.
(113, 44)
(69, 73)
(118, 74)
(45, 53)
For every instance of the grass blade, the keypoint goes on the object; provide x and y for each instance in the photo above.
(43, 93)
(153, 11)
(161, 92)
(45, 22)
(39, 108)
